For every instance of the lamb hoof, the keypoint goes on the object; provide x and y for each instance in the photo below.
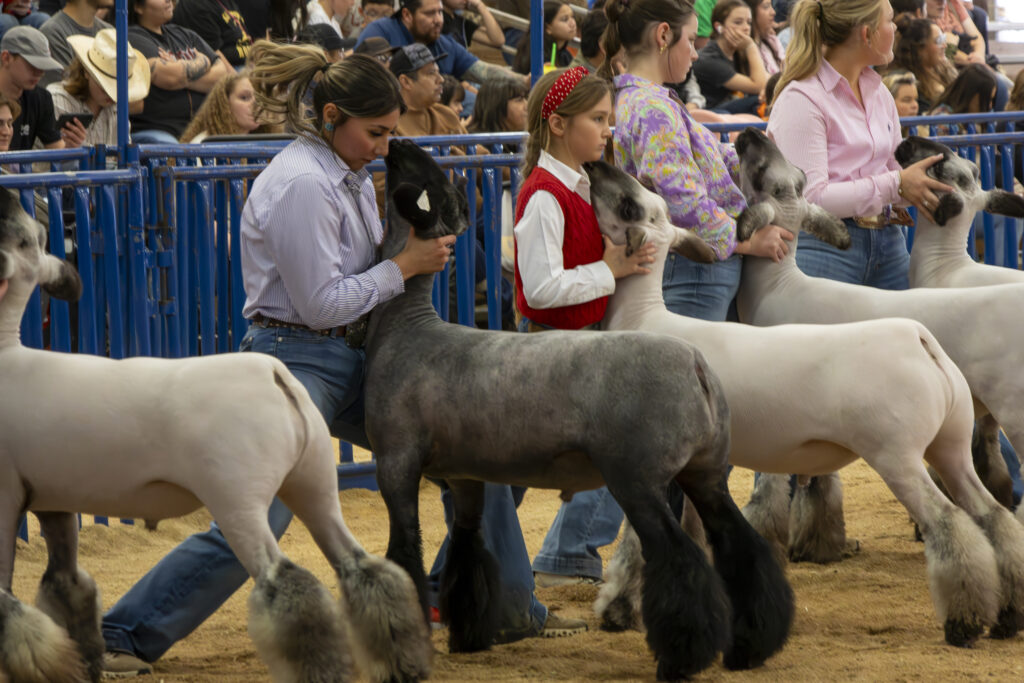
(619, 616)
(852, 548)
(960, 633)
(1007, 625)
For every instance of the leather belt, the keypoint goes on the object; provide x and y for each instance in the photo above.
(891, 215)
(264, 321)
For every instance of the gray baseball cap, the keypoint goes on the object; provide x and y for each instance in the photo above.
(30, 44)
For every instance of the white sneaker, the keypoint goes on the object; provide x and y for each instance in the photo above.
(124, 665)
(549, 580)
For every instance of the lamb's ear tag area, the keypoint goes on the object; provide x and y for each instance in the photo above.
(423, 203)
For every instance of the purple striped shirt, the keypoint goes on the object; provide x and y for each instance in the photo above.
(309, 244)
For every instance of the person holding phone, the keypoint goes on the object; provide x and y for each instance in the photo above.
(86, 98)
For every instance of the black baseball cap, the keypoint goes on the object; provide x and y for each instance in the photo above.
(412, 58)
(324, 36)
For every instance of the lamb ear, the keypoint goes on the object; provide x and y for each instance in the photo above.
(60, 279)
(1005, 203)
(413, 205)
(950, 206)
(688, 244)
(752, 219)
(826, 227)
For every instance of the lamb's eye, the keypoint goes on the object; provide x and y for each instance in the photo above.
(778, 192)
(24, 244)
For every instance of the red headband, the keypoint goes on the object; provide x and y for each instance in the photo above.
(561, 89)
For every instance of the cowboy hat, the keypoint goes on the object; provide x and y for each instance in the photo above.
(99, 57)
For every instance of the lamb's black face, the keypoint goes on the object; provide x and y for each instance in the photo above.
(764, 173)
(624, 209)
(420, 192)
(953, 169)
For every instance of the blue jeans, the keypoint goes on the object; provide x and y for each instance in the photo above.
(592, 519)
(153, 137)
(35, 20)
(876, 257)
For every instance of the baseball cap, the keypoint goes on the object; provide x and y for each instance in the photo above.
(375, 46)
(323, 35)
(31, 45)
(412, 58)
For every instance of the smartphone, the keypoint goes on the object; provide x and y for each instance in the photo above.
(64, 119)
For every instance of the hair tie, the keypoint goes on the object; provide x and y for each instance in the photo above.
(821, 12)
(560, 90)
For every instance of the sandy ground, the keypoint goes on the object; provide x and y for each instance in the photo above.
(869, 618)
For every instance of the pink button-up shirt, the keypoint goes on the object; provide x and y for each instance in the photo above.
(845, 149)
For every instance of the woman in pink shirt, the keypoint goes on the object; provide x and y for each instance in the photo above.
(833, 118)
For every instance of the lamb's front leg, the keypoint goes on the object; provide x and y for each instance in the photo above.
(67, 593)
(620, 598)
(817, 528)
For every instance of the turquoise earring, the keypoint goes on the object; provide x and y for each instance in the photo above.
(328, 126)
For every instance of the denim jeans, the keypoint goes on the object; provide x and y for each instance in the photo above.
(876, 257)
(197, 577)
(155, 136)
(592, 519)
(35, 20)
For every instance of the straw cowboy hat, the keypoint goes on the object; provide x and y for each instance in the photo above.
(99, 57)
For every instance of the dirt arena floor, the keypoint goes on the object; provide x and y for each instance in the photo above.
(869, 618)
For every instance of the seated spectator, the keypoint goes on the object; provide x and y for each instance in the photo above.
(903, 86)
(370, 11)
(965, 44)
(763, 30)
(24, 56)
(465, 31)
(913, 7)
(326, 38)
(78, 18)
(703, 9)
(9, 111)
(220, 24)
(730, 70)
(972, 92)
(452, 94)
(183, 69)
(229, 109)
(920, 49)
(591, 54)
(87, 89)
(559, 29)
(500, 107)
(329, 12)
(19, 13)
(1017, 94)
(285, 18)
(420, 21)
(376, 47)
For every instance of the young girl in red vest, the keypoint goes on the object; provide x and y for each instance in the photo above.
(565, 269)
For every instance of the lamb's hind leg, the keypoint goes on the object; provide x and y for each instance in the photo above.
(618, 602)
(33, 649)
(762, 600)
(470, 586)
(1004, 532)
(962, 570)
(390, 638)
(768, 509)
(685, 608)
(817, 528)
(67, 593)
(298, 628)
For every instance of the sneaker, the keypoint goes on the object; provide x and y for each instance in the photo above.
(548, 580)
(124, 665)
(558, 627)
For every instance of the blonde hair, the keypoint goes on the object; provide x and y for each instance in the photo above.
(817, 24)
(587, 93)
(215, 116)
(896, 80)
(1017, 94)
(284, 76)
(76, 80)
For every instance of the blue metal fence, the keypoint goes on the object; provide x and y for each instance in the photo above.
(157, 243)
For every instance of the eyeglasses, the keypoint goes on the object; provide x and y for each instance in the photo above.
(940, 39)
